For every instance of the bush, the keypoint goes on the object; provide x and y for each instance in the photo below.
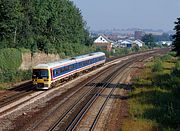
(122, 51)
(10, 58)
(176, 69)
(157, 66)
(172, 53)
(135, 49)
(10, 61)
(73, 49)
(166, 57)
(14, 75)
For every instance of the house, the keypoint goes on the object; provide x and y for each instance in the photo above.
(139, 43)
(126, 43)
(103, 42)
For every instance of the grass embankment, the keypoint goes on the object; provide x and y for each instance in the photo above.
(10, 61)
(155, 98)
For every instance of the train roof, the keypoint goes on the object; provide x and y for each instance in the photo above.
(68, 61)
(89, 55)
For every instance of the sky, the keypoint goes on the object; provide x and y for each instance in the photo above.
(124, 14)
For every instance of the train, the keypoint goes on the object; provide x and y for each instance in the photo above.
(45, 76)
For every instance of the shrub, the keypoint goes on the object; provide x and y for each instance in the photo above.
(73, 49)
(166, 57)
(10, 58)
(14, 75)
(176, 69)
(172, 53)
(135, 49)
(157, 66)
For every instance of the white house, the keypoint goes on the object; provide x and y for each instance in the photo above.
(103, 42)
(103, 39)
(139, 43)
(126, 43)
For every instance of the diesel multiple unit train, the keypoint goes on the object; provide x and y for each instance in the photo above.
(48, 75)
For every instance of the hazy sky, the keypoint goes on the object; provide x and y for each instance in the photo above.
(123, 14)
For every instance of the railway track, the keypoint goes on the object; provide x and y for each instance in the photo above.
(22, 91)
(16, 94)
(89, 97)
(84, 94)
(65, 121)
(73, 125)
(87, 94)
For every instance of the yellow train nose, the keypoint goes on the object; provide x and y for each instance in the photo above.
(40, 80)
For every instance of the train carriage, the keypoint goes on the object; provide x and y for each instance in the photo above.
(47, 75)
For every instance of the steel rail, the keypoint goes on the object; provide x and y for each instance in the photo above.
(103, 106)
(14, 97)
(76, 122)
(82, 97)
(90, 102)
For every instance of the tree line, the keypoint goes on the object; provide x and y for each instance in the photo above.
(44, 25)
(176, 37)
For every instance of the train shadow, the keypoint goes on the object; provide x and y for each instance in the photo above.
(27, 86)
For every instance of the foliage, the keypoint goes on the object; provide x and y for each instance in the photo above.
(143, 48)
(14, 75)
(157, 66)
(176, 37)
(10, 22)
(135, 49)
(172, 53)
(41, 25)
(122, 51)
(10, 61)
(166, 57)
(10, 58)
(163, 37)
(73, 49)
(148, 39)
(176, 69)
(157, 101)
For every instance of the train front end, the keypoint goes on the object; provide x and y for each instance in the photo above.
(41, 78)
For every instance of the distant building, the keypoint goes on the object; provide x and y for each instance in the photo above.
(112, 37)
(139, 43)
(104, 43)
(138, 34)
(130, 43)
(126, 43)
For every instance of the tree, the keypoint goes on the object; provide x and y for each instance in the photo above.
(163, 37)
(43, 25)
(148, 39)
(10, 22)
(176, 37)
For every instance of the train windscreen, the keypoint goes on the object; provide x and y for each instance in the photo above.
(40, 73)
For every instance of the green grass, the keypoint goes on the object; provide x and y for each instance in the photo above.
(10, 58)
(154, 102)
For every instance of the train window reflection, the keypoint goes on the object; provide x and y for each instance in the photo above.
(40, 73)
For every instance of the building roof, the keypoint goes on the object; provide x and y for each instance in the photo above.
(103, 39)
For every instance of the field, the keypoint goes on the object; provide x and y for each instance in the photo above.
(154, 102)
